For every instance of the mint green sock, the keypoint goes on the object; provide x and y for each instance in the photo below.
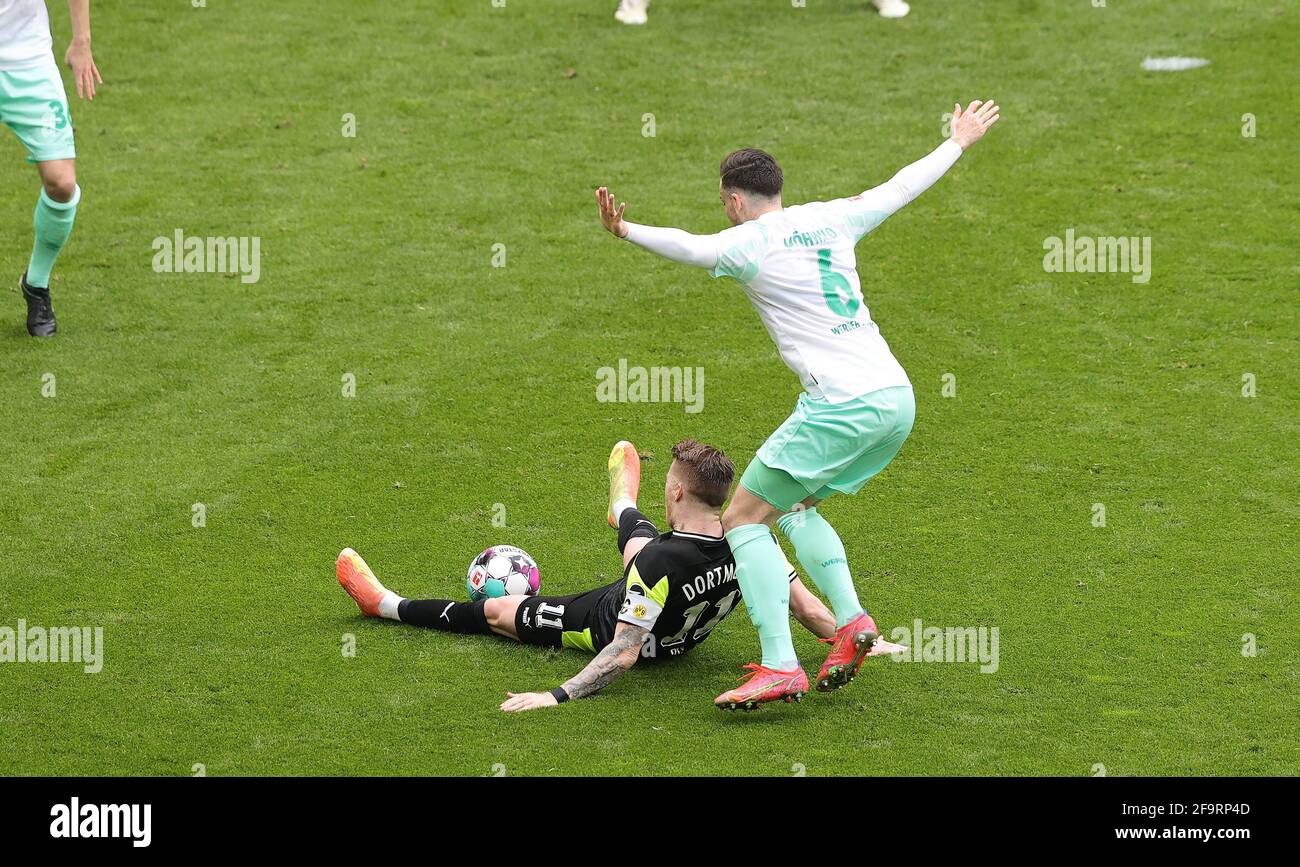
(53, 224)
(821, 552)
(765, 584)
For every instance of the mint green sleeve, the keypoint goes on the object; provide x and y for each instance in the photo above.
(740, 251)
(860, 214)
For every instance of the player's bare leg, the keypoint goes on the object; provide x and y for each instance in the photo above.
(633, 547)
(59, 179)
(500, 613)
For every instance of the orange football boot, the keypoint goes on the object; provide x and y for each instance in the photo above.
(360, 582)
(624, 476)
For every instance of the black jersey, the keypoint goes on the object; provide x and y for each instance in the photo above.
(679, 586)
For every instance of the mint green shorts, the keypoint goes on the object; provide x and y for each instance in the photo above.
(828, 448)
(34, 106)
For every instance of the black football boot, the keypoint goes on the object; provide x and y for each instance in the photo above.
(40, 314)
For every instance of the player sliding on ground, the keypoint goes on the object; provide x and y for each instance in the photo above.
(676, 587)
(798, 268)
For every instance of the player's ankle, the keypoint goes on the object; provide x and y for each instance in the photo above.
(620, 506)
(390, 606)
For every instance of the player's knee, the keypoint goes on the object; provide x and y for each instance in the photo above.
(62, 186)
(747, 508)
(495, 611)
(738, 517)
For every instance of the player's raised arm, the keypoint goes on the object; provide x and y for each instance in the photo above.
(683, 247)
(605, 667)
(968, 126)
(78, 56)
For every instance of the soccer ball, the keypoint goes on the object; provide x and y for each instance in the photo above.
(503, 570)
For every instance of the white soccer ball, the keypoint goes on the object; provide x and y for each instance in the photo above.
(503, 570)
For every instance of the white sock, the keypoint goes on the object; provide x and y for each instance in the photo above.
(620, 506)
(388, 605)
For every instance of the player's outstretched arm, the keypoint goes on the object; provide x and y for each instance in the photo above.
(968, 127)
(811, 611)
(84, 71)
(605, 667)
(683, 247)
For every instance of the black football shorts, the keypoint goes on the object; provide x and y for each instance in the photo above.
(579, 621)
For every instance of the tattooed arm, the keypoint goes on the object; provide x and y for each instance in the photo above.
(613, 660)
(607, 666)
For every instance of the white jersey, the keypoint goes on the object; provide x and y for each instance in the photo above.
(799, 270)
(24, 34)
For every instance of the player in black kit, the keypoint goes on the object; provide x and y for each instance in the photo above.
(676, 586)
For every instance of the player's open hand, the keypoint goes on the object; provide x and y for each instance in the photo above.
(885, 648)
(517, 701)
(84, 71)
(611, 213)
(970, 125)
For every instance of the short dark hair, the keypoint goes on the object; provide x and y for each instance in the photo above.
(753, 171)
(708, 472)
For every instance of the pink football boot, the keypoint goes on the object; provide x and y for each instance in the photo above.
(764, 685)
(851, 644)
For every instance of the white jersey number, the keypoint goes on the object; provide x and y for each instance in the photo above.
(695, 612)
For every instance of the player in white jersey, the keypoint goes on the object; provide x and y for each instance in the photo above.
(798, 268)
(34, 105)
(634, 11)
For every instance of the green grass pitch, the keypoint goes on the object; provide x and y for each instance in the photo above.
(1120, 646)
